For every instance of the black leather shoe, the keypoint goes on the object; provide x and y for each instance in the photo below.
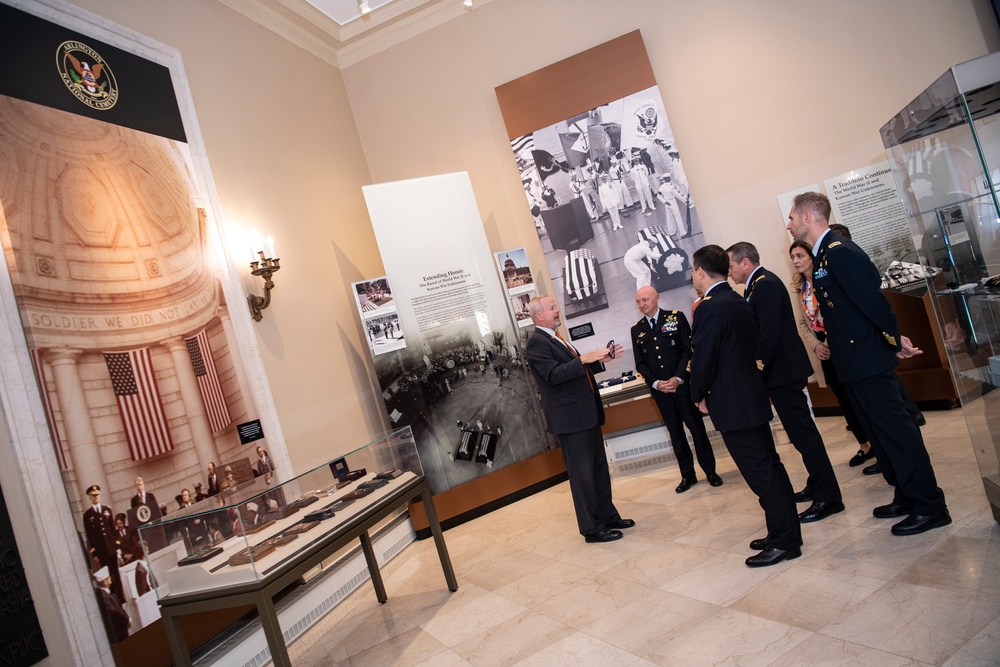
(605, 536)
(916, 523)
(803, 496)
(714, 479)
(772, 556)
(892, 510)
(620, 524)
(919, 419)
(819, 511)
(686, 483)
(861, 457)
(873, 469)
(759, 544)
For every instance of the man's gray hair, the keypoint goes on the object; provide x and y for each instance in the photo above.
(534, 306)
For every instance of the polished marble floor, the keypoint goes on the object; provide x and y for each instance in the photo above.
(675, 590)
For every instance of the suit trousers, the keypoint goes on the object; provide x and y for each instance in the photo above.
(753, 452)
(898, 444)
(589, 479)
(850, 415)
(790, 403)
(677, 409)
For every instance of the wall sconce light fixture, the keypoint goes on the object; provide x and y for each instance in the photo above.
(264, 267)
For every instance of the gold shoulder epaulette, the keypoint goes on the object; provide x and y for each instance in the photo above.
(835, 244)
(673, 312)
(760, 365)
(706, 298)
(891, 339)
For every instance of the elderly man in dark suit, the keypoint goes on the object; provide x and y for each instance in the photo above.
(786, 371)
(572, 408)
(865, 346)
(727, 384)
(661, 346)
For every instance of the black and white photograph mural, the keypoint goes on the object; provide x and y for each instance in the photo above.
(613, 210)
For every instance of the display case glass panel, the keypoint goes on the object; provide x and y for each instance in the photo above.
(254, 526)
(944, 149)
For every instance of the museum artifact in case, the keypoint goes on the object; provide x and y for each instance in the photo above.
(944, 150)
(252, 527)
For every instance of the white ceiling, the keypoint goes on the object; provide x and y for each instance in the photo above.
(335, 31)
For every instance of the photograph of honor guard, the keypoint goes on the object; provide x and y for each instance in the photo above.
(865, 346)
(661, 345)
(786, 369)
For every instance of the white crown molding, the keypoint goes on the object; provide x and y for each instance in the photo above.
(341, 46)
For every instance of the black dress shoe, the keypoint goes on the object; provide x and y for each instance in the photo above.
(772, 556)
(861, 457)
(605, 536)
(919, 419)
(916, 523)
(892, 510)
(686, 483)
(819, 511)
(803, 496)
(759, 544)
(620, 524)
(873, 469)
(714, 479)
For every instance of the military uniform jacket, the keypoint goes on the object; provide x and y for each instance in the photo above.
(779, 346)
(569, 403)
(724, 368)
(99, 527)
(664, 351)
(861, 327)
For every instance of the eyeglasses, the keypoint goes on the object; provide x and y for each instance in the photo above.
(611, 348)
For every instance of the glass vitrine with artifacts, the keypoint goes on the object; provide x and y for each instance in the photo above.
(944, 149)
(256, 524)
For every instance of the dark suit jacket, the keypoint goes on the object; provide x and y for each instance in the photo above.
(778, 347)
(568, 402)
(861, 327)
(664, 352)
(213, 486)
(724, 368)
(150, 500)
(100, 531)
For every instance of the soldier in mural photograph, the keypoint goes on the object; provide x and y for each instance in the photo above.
(661, 345)
(99, 527)
(116, 619)
(573, 412)
(865, 346)
(727, 384)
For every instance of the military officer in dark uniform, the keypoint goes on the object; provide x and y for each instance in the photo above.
(99, 527)
(786, 371)
(661, 345)
(727, 384)
(865, 346)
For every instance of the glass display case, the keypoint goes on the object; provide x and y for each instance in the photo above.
(256, 525)
(944, 150)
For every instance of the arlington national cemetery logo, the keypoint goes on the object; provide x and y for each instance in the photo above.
(87, 75)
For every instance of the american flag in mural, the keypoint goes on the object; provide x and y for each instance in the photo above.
(36, 360)
(208, 381)
(139, 403)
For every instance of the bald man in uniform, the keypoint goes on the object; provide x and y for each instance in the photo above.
(661, 346)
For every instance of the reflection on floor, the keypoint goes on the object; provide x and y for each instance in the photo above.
(675, 590)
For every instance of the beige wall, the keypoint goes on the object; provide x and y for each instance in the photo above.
(285, 158)
(762, 96)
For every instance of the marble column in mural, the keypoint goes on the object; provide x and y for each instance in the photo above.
(84, 454)
(194, 407)
(237, 360)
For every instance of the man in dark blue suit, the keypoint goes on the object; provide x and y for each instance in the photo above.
(865, 346)
(661, 346)
(786, 371)
(727, 384)
(573, 411)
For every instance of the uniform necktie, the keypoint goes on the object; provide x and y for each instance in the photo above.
(652, 323)
(572, 350)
